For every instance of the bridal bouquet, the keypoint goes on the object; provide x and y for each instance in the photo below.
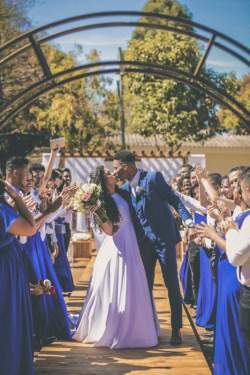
(87, 197)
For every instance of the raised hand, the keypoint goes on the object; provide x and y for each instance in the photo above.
(54, 206)
(30, 203)
(204, 230)
(228, 224)
(56, 144)
(200, 172)
(214, 212)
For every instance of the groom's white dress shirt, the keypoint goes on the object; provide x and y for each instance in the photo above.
(134, 182)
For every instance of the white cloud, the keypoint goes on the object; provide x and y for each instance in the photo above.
(223, 64)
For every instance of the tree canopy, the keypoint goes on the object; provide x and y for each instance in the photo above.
(84, 111)
(230, 122)
(168, 107)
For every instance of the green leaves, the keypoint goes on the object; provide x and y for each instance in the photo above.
(164, 106)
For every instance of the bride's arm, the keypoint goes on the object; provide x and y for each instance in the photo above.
(107, 227)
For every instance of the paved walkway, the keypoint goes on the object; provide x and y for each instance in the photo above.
(73, 358)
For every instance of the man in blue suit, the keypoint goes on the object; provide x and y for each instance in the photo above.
(156, 228)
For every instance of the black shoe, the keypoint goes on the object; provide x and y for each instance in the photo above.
(176, 338)
(46, 341)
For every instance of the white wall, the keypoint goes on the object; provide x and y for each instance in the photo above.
(81, 167)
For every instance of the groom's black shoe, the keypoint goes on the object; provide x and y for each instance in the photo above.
(176, 337)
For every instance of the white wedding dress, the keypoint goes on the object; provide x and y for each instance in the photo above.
(118, 311)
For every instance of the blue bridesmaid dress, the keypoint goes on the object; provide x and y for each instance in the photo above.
(16, 356)
(185, 277)
(206, 300)
(230, 354)
(207, 294)
(49, 311)
(61, 265)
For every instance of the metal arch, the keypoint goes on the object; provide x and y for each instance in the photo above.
(125, 63)
(35, 43)
(212, 41)
(182, 21)
(133, 67)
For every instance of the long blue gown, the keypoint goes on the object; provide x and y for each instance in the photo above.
(230, 354)
(16, 357)
(61, 265)
(185, 277)
(49, 311)
(206, 300)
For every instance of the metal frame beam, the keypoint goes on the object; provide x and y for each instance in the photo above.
(173, 24)
(129, 67)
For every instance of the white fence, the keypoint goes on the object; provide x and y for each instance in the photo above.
(81, 167)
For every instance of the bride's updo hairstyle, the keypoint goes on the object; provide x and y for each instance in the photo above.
(98, 178)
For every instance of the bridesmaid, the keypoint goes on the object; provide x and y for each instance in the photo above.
(49, 312)
(61, 265)
(16, 357)
(230, 356)
(206, 300)
(185, 277)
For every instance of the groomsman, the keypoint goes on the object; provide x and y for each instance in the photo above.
(157, 232)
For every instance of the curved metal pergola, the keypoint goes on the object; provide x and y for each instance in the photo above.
(34, 39)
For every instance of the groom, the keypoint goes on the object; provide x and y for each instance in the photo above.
(156, 228)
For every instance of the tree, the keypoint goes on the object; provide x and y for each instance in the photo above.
(14, 76)
(227, 119)
(84, 111)
(163, 106)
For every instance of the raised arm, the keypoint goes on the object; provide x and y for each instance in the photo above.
(25, 224)
(48, 170)
(168, 195)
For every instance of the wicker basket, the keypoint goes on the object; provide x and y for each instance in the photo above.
(82, 248)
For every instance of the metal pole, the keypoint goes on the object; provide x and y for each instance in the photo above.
(121, 102)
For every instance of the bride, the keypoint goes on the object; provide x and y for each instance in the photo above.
(118, 311)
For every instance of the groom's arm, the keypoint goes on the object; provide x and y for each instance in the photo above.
(167, 194)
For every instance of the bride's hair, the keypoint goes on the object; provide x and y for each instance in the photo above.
(2, 188)
(98, 178)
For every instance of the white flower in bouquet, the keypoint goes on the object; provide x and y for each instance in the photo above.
(47, 283)
(87, 197)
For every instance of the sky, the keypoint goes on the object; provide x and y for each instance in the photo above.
(231, 17)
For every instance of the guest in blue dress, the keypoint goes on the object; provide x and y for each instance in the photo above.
(16, 357)
(185, 277)
(62, 266)
(206, 300)
(230, 355)
(49, 311)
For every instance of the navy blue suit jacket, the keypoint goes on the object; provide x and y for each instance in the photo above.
(151, 205)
